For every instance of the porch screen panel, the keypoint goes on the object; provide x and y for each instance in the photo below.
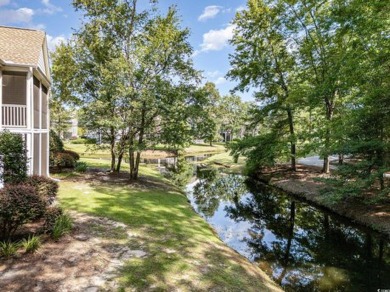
(14, 87)
(44, 153)
(44, 107)
(36, 157)
(36, 103)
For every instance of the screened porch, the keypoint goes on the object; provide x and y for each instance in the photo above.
(14, 109)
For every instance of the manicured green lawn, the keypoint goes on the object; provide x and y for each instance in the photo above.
(183, 252)
(88, 151)
(227, 161)
(204, 148)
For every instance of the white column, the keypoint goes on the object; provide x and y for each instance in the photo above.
(30, 152)
(48, 132)
(40, 105)
(40, 127)
(1, 99)
(30, 100)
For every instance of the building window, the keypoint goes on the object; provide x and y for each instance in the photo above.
(14, 88)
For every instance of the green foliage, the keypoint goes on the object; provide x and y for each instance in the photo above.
(260, 151)
(262, 60)
(213, 188)
(320, 73)
(81, 166)
(44, 186)
(50, 217)
(60, 115)
(19, 204)
(64, 160)
(62, 225)
(31, 244)
(119, 68)
(56, 144)
(14, 160)
(181, 173)
(75, 155)
(83, 141)
(59, 157)
(8, 249)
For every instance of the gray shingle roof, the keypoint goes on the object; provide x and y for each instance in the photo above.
(21, 46)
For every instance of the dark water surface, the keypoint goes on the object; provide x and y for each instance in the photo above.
(300, 246)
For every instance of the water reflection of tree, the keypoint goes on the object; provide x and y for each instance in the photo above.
(213, 188)
(180, 172)
(308, 250)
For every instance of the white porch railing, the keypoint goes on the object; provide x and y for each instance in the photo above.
(14, 115)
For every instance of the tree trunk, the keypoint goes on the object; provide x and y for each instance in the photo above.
(329, 115)
(112, 149)
(293, 150)
(118, 165)
(122, 145)
(289, 243)
(134, 170)
(131, 156)
(326, 166)
(341, 158)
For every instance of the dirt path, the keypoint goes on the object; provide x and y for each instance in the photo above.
(86, 260)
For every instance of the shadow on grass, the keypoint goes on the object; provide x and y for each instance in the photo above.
(181, 248)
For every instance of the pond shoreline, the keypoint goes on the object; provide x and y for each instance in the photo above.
(302, 185)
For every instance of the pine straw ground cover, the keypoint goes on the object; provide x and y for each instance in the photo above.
(180, 252)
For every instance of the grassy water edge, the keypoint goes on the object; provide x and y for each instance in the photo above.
(89, 151)
(182, 251)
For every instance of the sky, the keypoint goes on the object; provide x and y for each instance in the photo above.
(209, 22)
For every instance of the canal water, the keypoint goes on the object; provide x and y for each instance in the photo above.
(300, 246)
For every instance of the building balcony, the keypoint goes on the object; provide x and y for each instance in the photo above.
(14, 116)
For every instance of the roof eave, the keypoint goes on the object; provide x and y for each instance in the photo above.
(43, 75)
(12, 64)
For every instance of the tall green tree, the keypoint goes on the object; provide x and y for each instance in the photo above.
(322, 47)
(262, 60)
(207, 120)
(234, 115)
(133, 76)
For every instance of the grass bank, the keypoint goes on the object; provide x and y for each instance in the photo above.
(89, 151)
(182, 251)
(225, 161)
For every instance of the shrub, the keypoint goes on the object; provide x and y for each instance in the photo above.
(81, 167)
(64, 160)
(8, 249)
(31, 244)
(62, 225)
(44, 186)
(56, 144)
(14, 161)
(75, 155)
(51, 215)
(19, 204)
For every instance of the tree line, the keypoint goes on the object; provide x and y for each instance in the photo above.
(321, 73)
(130, 74)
